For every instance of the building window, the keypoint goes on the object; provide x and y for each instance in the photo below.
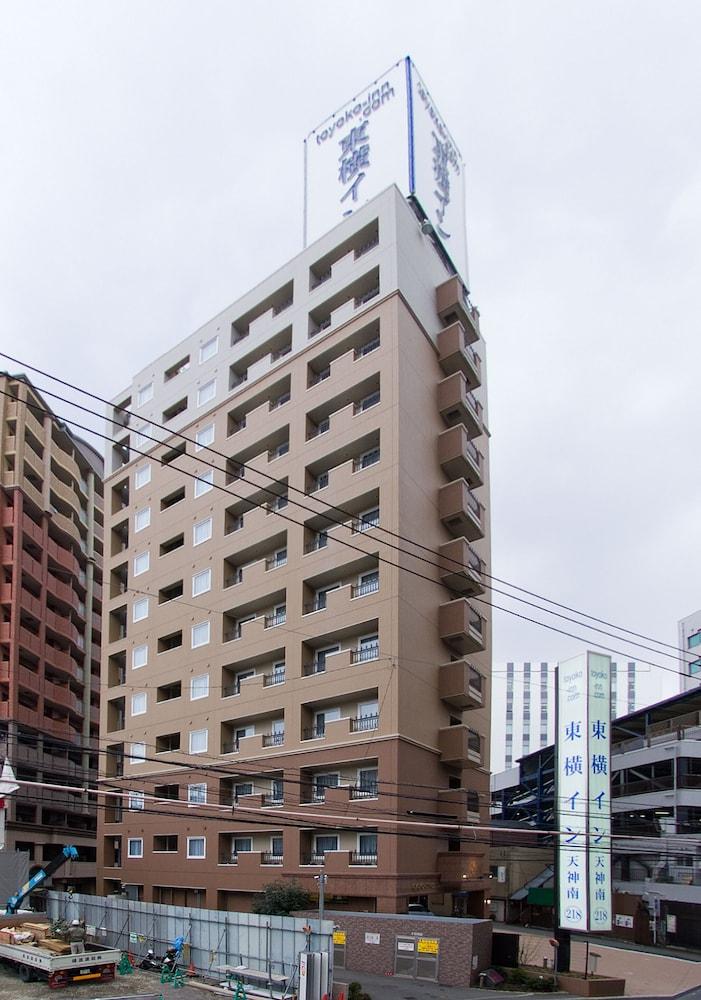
(243, 788)
(368, 519)
(372, 400)
(142, 476)
(204, 483)
(197, 794)
(139, 609)
(695, 667)
(694, 640)
(145, 394)
(135, 847)
(196, 847)
(202, 531)
(201, 582)
(325, 844)
(137, 753)
(141, 563)
(142, 519)
(139, 656)
(368, 458)
(199, 687)
(204, 437)
(208, 349)
(206, 392)
(136, 800)
(198, 741)
(143, 435)
(200, 634)
(138, 703)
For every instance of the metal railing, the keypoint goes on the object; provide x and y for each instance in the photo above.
(273, 740)
(372, 345)
(281, 306)
(371, 587)
(366, 247)
(364, 524)
(363, 791)
(274, 562)
(320, 542)
(268, 858)
(278, 618)
(273, 801)
(365, 653)
(314, 732)
(319, 279)
(357, 858)
(277, 677)
(360, 300)
(308, 669)
(366, 460)
(364, 724)
(311, 859)
(320, 376)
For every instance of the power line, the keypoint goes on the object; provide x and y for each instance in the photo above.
(311, 496)
(480, 600)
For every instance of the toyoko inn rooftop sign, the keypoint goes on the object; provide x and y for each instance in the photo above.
(390, 133)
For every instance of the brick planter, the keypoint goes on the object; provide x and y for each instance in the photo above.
(591, 987)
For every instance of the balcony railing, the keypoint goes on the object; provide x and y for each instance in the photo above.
(273, 801)
(371, 587)
(320, 376)
(278, 618)
(364, 791)
(277, 677)
(365, 523)
(281, 306)
(360, 300)
(364, 654)
(363, 859)
(274, 562)
(366, 247)
(232, 633)
(267, 858)
(318, 604)
(320, 542)
(312, 859)
(314, 732)
(308, 669)
(274, 740)
(364, 724)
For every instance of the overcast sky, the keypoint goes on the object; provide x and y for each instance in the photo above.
(151, 172)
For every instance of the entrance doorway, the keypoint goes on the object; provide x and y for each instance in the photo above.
(416, 957)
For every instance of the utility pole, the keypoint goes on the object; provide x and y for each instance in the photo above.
(322, 883)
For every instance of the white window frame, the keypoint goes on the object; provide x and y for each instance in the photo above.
(208, 525)
(136, 801)
(209, 349)
(137, 753)
(142, 519)
(204, 483)
(138, 852)
(207, 392)
(202, 582)
(363, 520)
(144, 394)
(141, 648)
(142, 476)
(139, 603)
(197, 793)
(197, 733)
(142, 559)
(190, 842)
(200, 625)
(139, 697)
(194, 696)
(143, 435)
(204, 437)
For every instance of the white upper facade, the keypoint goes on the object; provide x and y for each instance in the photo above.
(690, 641)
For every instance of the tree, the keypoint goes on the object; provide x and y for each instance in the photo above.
(280, 899)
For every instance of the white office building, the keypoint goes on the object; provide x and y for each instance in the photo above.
(523, 706)
(690, 641)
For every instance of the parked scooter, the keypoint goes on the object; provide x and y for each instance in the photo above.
(149, 961)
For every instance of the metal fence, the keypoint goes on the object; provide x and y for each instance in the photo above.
(212, 938)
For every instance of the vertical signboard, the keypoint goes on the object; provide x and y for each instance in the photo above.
(389, 133)
(437, 173)
(584, 792)
(599, 825)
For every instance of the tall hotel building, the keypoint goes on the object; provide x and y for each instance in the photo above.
(296, 673)
(50, 595)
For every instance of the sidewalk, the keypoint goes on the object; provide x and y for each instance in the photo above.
(395, 988)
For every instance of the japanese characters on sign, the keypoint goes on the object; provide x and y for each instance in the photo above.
(390, 133)
(584, 792)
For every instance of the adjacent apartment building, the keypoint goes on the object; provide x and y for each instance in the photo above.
(50, 594)
(297, 661)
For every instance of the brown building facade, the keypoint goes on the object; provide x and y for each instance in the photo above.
(50, 595)
(297, 665)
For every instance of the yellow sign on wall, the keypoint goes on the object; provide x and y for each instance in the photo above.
(339, 937)
(428, 946)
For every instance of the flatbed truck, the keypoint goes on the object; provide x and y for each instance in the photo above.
(32, 962)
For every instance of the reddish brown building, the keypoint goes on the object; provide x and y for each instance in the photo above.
(50, 595)
(283, 658)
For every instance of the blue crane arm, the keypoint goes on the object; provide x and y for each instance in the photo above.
(68, 853)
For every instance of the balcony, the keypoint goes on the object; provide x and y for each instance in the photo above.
(457, 405)
(459, 458)
(460, 512)
(461, 627)
(453, 306)
(456, 355)
(267, 858)
(461, 567)
(460, 745)
(364, 724)
(459, 804)
(460, 685)
(363, 860)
